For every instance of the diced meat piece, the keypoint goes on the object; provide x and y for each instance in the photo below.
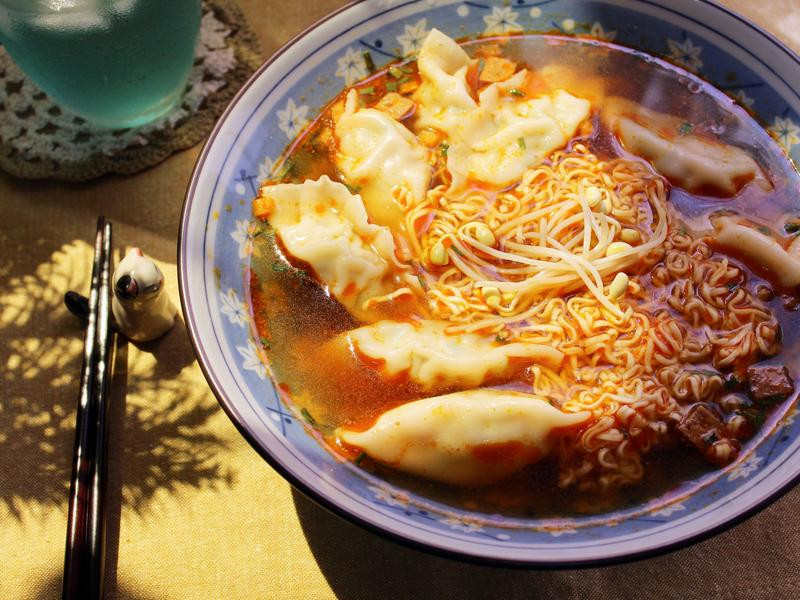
(769, 382)
(407, 85)
(325, 139)
(486, 50)
(701, 427)
(497, 69)
(397, 106)
(263, 207)
(429, 137)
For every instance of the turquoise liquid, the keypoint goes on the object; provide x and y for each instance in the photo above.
(116, 63)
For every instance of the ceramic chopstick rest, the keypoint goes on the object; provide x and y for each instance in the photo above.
(141, 307)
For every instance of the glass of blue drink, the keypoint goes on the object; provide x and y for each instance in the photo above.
(116, 63)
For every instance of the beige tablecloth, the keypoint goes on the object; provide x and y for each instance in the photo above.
(195, 512)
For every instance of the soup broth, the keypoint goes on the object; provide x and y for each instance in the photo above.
(298, 321)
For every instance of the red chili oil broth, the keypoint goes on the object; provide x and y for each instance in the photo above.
(297, 321)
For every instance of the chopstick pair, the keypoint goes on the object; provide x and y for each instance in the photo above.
(84, 558)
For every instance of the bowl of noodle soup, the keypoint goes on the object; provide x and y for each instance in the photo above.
(514, 283)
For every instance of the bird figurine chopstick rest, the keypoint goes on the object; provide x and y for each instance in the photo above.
(141, 308)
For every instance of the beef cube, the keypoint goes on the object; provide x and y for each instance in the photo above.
(701, 427)
(769, 383)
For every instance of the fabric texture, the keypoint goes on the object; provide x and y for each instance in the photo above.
(40, 139)
(194, 512)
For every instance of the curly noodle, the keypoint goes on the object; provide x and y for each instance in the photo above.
(542, 274)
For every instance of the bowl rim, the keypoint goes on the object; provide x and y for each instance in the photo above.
(329, 504)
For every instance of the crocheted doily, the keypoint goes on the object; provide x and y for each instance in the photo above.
(39, 139)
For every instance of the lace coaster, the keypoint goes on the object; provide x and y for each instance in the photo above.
(39, 139)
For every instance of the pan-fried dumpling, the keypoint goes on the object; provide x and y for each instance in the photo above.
(377, 153)
(466, 438)
(443, 95)
(433, 358)
(322, 223)
(497, 142)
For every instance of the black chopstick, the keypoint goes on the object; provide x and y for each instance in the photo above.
(84, 558)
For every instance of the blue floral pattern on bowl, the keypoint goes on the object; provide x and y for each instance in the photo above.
(217, 240)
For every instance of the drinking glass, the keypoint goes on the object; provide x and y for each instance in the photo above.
(116, 63)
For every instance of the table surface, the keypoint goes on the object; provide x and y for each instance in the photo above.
(194, 511)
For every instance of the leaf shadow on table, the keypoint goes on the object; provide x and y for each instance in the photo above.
(359, 564)
(161, 441)
(50, 587)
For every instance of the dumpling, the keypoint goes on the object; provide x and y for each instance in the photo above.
(762, 250)
(506, 135)
(700, 165)
(322, 223)
(377, 153)
(466, 438)
(433, 358)
(443, 95)
(495, 139)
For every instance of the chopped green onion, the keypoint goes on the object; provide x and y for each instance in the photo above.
(759, 419)
(367, 90)
(443, 148)
(731, 383)
(368, 61)
(396, 72)
(280, 266)
(686, 128)
(764, 230)
(353, 189)
(521, 142)
(457, 251)
(287, 168)
(516, 92)
(361, 456)
(265, 343)
(405, 79)
(422, 282)
(391, 86)
(705, 372)
(792, 227)
(307, 416)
